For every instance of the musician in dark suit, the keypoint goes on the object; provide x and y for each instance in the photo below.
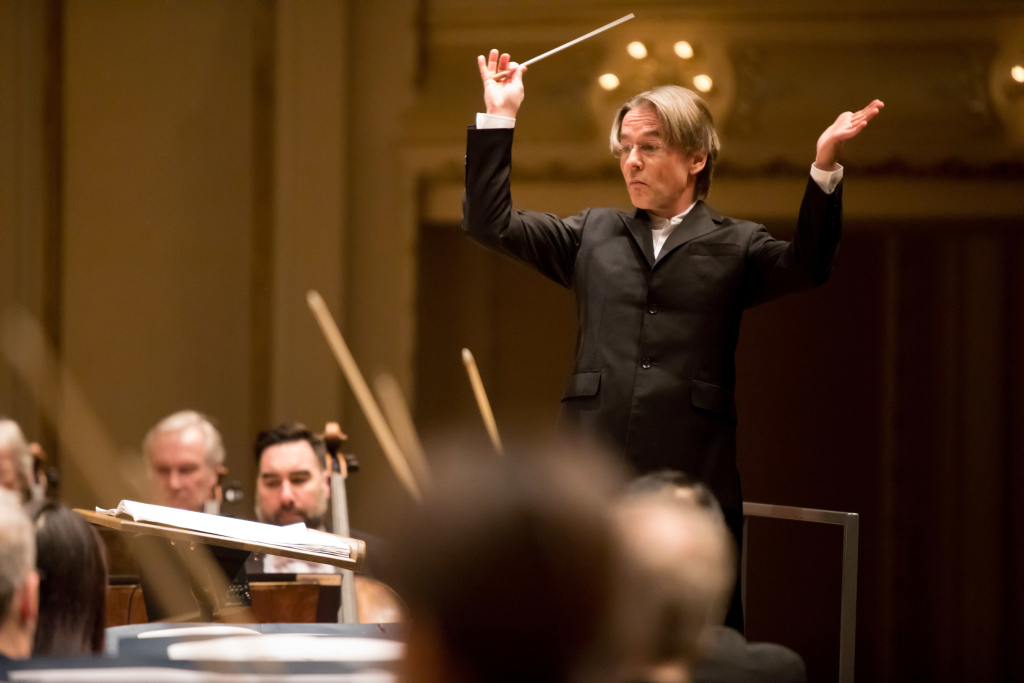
(660, 290)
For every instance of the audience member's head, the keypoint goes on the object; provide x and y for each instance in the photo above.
(19, 582)
(185, 455)
(72, 585)
(293, 480)
(674, 530)
(675, 486)
(509, 570)
(16, 464)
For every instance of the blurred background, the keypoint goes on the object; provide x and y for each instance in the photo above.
(175, 175)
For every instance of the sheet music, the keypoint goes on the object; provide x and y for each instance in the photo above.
(293, 537)
(288, 647)
(204, 630)
(155, 674)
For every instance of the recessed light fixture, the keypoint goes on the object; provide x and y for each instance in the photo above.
(637, 50)
(609, 81)
(1017, 73)
(683, 49)
(702, 82)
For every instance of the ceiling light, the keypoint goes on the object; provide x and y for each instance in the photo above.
(636, 50)
(609, 81)
(683, 49)
(1017, 73)
(702, 82)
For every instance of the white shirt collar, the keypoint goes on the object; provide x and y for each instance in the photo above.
(659, 223)
(661, 228)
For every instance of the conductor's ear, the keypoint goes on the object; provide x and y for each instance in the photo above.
(697, 162)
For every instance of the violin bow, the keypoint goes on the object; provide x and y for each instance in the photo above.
(481, 399)
(363, 395)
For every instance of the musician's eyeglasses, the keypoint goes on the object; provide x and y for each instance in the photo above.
(646, 150)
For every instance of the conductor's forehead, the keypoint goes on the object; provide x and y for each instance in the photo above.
(639, 122)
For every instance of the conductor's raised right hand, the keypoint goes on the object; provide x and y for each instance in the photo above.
(503, 94)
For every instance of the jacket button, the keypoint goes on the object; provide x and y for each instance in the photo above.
(652, 309)
(645, 363)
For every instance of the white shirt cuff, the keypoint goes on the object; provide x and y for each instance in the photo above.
(827, 180)
(494, 121)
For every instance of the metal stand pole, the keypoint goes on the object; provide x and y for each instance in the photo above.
(349, 612)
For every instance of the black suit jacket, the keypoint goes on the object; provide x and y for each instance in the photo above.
(655, 368)
(731, 659)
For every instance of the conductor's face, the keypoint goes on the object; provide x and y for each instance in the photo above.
(292, 486)
(660, 178)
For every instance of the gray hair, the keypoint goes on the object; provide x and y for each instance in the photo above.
(686, 121)
(17, 549)
(687, 567)
(184, 421)
(12, 439)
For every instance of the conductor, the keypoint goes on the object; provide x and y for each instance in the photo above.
(660, 291)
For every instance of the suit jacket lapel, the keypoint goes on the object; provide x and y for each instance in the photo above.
(700, 221)
(640, 228)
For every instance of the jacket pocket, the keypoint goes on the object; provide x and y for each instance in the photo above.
(714, 398)
(582, 385)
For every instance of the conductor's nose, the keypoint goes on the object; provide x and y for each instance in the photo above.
(634, 160)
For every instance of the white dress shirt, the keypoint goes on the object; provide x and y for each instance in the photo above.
(661, 228)
(275, 564)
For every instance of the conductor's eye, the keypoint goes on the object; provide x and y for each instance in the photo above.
(645, 150)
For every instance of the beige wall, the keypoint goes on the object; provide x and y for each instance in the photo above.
(158, 223)
(29, 192)
(380, 263)
(310, 204)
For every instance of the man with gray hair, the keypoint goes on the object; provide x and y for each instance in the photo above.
(185, 455)
(19, 582)
(660, 290)
(674, 528)
(685, 577)
(15, 459)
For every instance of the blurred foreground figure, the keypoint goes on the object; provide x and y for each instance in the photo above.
(185, 455)
(686, 579)
(16, 463)
(72, 585)
(509, 570)
(292, 485)
(19, 582)
(676, 531)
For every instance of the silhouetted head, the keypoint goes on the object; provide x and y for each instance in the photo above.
(72, 585)
(509, 569)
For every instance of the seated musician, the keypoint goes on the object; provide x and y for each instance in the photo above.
(72, 586)
(16, 465)
(19, 581)
(185, 456)
(686, 554)
(292, 485)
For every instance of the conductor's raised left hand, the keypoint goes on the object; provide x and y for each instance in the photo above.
(846, 126)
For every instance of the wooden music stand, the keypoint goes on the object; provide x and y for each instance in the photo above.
(186, 598)
(176, 535)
